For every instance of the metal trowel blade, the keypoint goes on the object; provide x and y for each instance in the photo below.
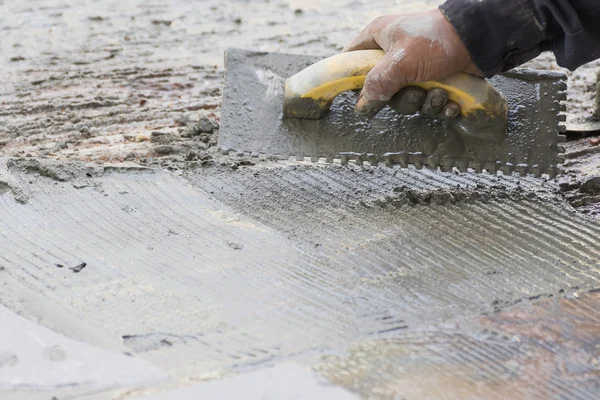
(252, 123)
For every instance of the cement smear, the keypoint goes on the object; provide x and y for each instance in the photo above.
(427, 365)
(225, 271)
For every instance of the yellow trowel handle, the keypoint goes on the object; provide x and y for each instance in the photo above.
(310, 93)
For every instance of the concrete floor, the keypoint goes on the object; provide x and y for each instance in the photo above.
(136, 262)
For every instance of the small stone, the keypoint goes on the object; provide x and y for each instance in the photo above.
(591, 186)
(130, 157)
(164, 149)
(78, 268)
(595, 141)
(235, 246)
(206, 125)
(161, 137)
(182, 120)
(201, 146)
(143, 102)
(161, 22)
(191, 156)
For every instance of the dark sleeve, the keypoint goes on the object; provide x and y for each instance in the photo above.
(502, 34)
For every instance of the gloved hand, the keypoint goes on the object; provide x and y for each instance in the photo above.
(418, 47)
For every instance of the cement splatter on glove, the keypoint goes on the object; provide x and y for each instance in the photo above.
(418, 47)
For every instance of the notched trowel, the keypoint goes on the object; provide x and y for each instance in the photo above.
(284, 106)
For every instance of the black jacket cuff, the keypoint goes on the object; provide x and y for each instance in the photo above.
(499, 34)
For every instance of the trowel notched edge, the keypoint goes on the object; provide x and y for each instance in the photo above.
(252, 124)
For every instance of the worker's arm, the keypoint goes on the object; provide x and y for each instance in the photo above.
(502, 34)
(481, 37)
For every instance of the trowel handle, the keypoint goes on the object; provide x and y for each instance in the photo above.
(310, 93)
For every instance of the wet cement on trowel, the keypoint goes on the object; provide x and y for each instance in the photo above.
(224, 271)
(253, 123)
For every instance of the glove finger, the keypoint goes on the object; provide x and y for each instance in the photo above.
(368, 109)
(381, 83)
(434, 102)
(450, 110)
(409, 100)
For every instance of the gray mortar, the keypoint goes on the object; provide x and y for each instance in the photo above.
(8, 183)
(225, 271)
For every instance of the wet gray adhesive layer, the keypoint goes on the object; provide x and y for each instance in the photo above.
(252, 123)
(34, 358)
(224, 271)
(286, 381)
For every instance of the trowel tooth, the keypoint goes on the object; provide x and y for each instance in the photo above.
(562, 129)
(475, 166)
(507, 169)
(403, 160)
(499, 165)
(314, 159)
(431, 166)
(415, 159)
(562, 85)
(254, 155)
(562, 117)
(461, 166)
(329, 159)
(373, 159)
(344, 159)
(388, 160)
(522, 169)
(299, 158)
(239, 154)
(446, 167)
(396, 158)
(490, 167)
(431, 163)
(535, 170)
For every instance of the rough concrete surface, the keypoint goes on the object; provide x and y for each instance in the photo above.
(163, 269)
